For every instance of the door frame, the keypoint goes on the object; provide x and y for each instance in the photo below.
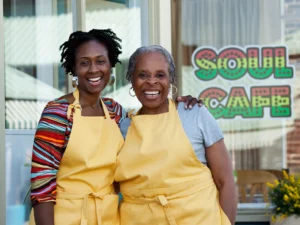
(2, 123)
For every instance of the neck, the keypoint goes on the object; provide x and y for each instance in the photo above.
(87, 99)
(163, 108)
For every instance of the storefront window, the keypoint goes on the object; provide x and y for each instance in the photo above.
(33, 32)
(243, 59)
(127, 20)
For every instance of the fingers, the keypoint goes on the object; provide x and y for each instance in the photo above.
(185, 99)
(187, 102)
(200, 102)
(193, 102)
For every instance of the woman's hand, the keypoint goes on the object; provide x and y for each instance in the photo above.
(189, 101)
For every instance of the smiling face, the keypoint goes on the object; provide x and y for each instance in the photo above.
(151, 82)
(92, 67)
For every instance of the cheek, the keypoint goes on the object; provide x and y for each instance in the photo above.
(137, 84)
(106, 71)
(80, 71)
(166, 87)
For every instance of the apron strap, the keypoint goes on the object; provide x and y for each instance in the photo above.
(178, 191)
(98, 205)
(96, 196)
(160, 199)
(171, 107)
(106, 113)
(165, 204)
(76, 105)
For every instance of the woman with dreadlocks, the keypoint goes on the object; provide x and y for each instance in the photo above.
(77, 139)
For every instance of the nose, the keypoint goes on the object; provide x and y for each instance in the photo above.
(93, 67)
(152, 80)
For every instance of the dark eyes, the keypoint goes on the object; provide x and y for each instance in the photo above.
(84, 63)
(87, 63)
(146, 76)
(161, 75)
(100, 62)
(142, 75)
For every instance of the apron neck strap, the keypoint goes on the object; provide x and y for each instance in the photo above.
(76, 102)
(76, 95)
(171, 108)
(172, 105)
(106, 113)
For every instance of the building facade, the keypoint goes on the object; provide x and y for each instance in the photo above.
(241, 57)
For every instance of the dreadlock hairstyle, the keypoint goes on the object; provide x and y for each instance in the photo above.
(106, 37)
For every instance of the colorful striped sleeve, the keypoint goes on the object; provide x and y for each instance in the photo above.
(115, 110)
(49, 144)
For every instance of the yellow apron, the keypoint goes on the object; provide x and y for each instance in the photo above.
(161, 179)
(85, 192)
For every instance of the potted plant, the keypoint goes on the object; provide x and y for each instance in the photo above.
(284, 196)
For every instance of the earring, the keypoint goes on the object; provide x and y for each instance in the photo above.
(132, 95)
(112, 79)
(74, 81)
(176, 90)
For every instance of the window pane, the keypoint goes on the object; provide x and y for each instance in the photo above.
(258, 142)
(33, 32)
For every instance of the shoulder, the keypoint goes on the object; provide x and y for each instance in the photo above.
(200, 119)
(110, 103)
(116, 111)
(56, 110)
(53, 123)
(197, 111)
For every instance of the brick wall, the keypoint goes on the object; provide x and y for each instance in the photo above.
(293, 148)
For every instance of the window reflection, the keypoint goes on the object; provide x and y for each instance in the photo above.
(259, 147)
(33, 32)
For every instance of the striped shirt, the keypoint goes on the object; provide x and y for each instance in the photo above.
(50, 141)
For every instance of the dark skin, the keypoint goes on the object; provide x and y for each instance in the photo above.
(219, 162)
(151, 75)
(91, 63)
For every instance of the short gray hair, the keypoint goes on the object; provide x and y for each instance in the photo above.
(147, 49)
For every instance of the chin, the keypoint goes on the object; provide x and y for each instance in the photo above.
(152, 105)
(97, 89)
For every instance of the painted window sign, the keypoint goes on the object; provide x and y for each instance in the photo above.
(239, 66)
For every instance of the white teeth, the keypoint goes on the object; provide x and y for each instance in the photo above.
(95, 79)
(151, 92)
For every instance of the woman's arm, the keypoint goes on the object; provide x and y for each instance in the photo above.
(219, 163)
(44, 213)
(48, 147)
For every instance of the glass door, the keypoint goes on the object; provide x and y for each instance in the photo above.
(33, 32)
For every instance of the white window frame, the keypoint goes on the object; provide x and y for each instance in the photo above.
(159, 13)
(2, 123)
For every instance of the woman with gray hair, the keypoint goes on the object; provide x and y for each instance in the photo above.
(174, 167)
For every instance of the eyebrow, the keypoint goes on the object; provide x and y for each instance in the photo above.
(155, 71)
(87, 57)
